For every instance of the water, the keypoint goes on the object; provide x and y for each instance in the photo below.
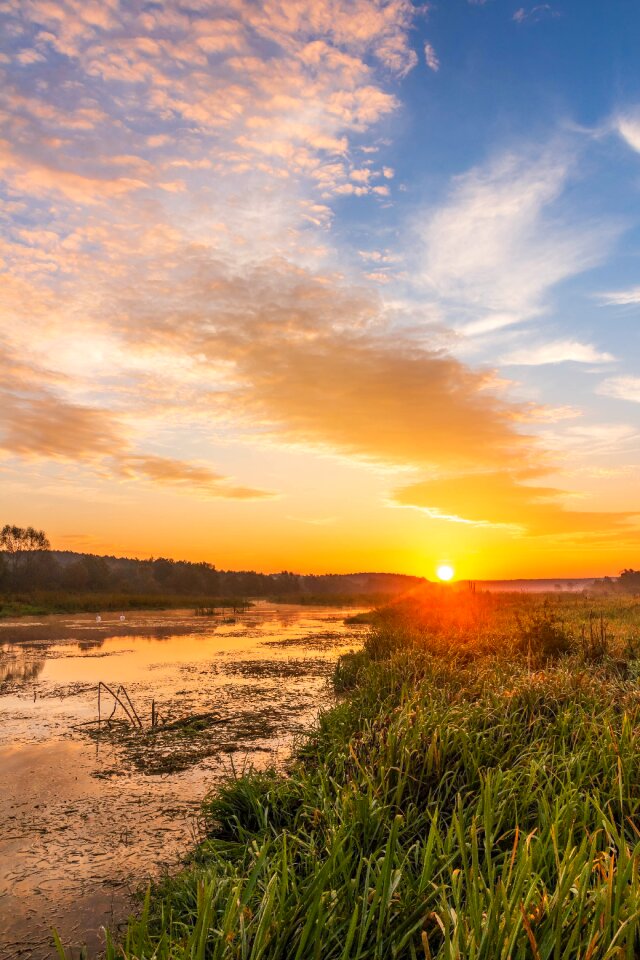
(87, 816)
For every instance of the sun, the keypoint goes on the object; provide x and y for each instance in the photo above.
(445, 572)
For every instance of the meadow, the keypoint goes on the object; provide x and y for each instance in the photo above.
(475, 795)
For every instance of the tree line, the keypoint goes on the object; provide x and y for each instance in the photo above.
(28, 563)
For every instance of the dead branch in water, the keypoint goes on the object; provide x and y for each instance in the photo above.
(133, 716)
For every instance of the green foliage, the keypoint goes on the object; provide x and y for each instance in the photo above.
(453, 807)
(350, 671)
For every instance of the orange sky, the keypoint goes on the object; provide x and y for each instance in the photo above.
(244, 321)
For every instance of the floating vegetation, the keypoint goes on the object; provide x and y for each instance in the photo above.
(316, 641)
(276, 669)
(180, 743)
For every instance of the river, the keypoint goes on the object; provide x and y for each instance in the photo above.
(88, 813)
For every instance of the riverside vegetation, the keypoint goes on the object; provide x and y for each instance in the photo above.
(475, 795)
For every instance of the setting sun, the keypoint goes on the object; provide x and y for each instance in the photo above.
(445, 572)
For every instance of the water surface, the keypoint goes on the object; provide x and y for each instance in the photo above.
(87, 813)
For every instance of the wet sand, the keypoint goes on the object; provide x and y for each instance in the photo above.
(87, 817)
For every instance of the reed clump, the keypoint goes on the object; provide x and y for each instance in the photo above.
(476, 796)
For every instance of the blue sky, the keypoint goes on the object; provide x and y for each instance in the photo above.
(332, 285)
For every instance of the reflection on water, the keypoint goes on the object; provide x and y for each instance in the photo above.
(18, 666)
(84, 814)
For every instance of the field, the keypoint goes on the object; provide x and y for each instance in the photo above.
(475, 795)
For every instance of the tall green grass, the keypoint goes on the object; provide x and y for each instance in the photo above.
(459, 805)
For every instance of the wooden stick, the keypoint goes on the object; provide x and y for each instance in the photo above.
(122, 687)
(118, 701)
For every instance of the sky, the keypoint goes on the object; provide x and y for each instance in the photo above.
(337, 285)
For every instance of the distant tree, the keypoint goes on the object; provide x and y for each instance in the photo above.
(98, 572)
(629, 581)
(22, 547)
(75, 576)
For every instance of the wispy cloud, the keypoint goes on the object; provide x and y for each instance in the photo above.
(620, 298)
(167, 471)
(622, 388)
(431, 57)
(536, 13)
(628, 127)
(558, 351)
(497, 247)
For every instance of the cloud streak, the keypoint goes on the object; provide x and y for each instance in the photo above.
(511, 499)
(558, 351)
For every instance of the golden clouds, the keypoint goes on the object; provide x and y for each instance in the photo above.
(513, 499)
(314, 361)
(37, 422)
(168, 471)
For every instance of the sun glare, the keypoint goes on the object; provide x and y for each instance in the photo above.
(445, 572)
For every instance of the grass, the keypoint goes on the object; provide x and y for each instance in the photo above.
(42, 603)
(475, 796)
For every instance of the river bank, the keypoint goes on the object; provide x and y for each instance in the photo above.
(475, 795)
(47, 603)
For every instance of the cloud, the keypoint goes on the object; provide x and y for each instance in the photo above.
(36, 422)
(621, 297)
(431, 57)
(622, 388)
(168, 471)
(558, 351)
(315, 360)
(628, 127)
(205, 288)
(35, 178)
(495, 249)
(512, 499)
(320, 363)
(536, 13)
(286, 81)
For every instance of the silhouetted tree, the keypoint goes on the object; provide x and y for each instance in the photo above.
(630, 581)
(22, 547)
